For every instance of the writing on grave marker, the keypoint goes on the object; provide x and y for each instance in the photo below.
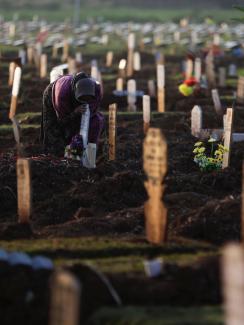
(155, 167)
(65, 299)
(112, 131)
(24, 190)
(228, 137)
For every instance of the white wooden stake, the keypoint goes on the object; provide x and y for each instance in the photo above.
(146, 113)
(196, 121)
(161, 87)
(24, 190)
(131, 89)
(15, 92)
(137, 61)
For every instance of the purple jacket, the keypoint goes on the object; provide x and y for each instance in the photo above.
(64, 104)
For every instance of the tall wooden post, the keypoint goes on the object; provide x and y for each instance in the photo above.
(228, 137)
(196, 121)
(233, 284)
(146, 113)
(131, 47)
(155, 166)
(24, 190)
(112, 131)
(161, 87)
(15, 92)
(65, 299)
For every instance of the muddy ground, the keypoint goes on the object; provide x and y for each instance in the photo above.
(72, 202)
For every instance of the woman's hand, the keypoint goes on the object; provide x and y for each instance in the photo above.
(80, 109)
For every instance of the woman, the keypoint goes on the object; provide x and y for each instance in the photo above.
(63, 105)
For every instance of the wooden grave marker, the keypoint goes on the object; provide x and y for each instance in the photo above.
(122, 66)
(189, 68)
(240, 90)
(210, 72)
(120, 84)
(198, 69)
(24, 190)
(196, 121)
(65, 299)
(78, 57)
(43, 66)
(65, 54)
(131, 47)
(12, 66)
(155, 166)
(217, 102)
(30, 54)
(109, 59)
(146, 113)
(137, 61)
(72, 66)
(228, 137)
(161, 87)
(151, 88)
(112, 131)
(233, 284)
(15, 92)
(131, 98)
(222, 77)
(242, 205)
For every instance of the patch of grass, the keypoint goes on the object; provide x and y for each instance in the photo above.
(159, 316)
(111, 255)
(124, 14)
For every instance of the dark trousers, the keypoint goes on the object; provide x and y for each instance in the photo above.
(52, 134)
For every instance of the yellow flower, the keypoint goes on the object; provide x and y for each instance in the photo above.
(198, 144)
(201, 150)
(211, 139)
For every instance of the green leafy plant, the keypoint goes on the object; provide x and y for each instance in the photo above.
(209, 156)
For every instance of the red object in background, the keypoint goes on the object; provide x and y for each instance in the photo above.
(41, 37)
(190, 82)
